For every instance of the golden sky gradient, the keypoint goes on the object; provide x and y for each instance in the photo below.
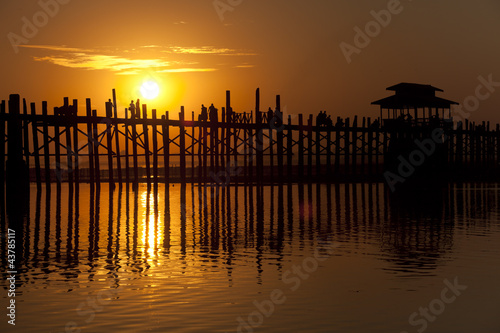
(196, 50)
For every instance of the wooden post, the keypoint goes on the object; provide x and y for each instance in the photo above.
(251, 153)
(3, 119)
(182, 144)
(245, 152)
(289, 151)
(354, 145)
(134, 148)
(271, 150)
(90, 141)
(145, 134)
(301, 147)
(155, 148)
(260, 152)
(192, 146)
(76, 166)
(57, 145)
(166, 147)
(377, 148)
(235, 154)
(329, 152)
(17, 180)
(347, 147)
(229, 124)
(109, 143)
(97, 168)
(69, 152)
(309, 146)
(127, 157)
(279, 134)
(26, 142)
(318, 152)
(206, 149)
(369, 143)
(257, 100)
(117, 139)
(200, 146)
(36, 148)
(337, 146)
(46, 147)
(363, 147)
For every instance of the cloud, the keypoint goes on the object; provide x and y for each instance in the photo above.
(113, 59)
(208, 50)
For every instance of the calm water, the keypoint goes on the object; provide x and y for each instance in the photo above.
(312, 258)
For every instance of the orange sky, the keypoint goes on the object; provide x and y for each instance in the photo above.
(197, 49)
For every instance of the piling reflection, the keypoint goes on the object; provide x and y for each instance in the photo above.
(75, 234)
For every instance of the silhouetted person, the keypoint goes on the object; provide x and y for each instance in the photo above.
(137, 109)
(340, 123)
(320, 119)
(213, 113)
(270, 115)
(132, 109)
(328, 121)
(204, 113)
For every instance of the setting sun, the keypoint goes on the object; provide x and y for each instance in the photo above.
(150, 89)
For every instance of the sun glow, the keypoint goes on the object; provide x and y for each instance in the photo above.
(150, 89)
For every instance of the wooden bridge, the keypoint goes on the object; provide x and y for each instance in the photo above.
(227, 147)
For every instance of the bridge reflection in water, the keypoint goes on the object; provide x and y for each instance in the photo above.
(190, 236)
